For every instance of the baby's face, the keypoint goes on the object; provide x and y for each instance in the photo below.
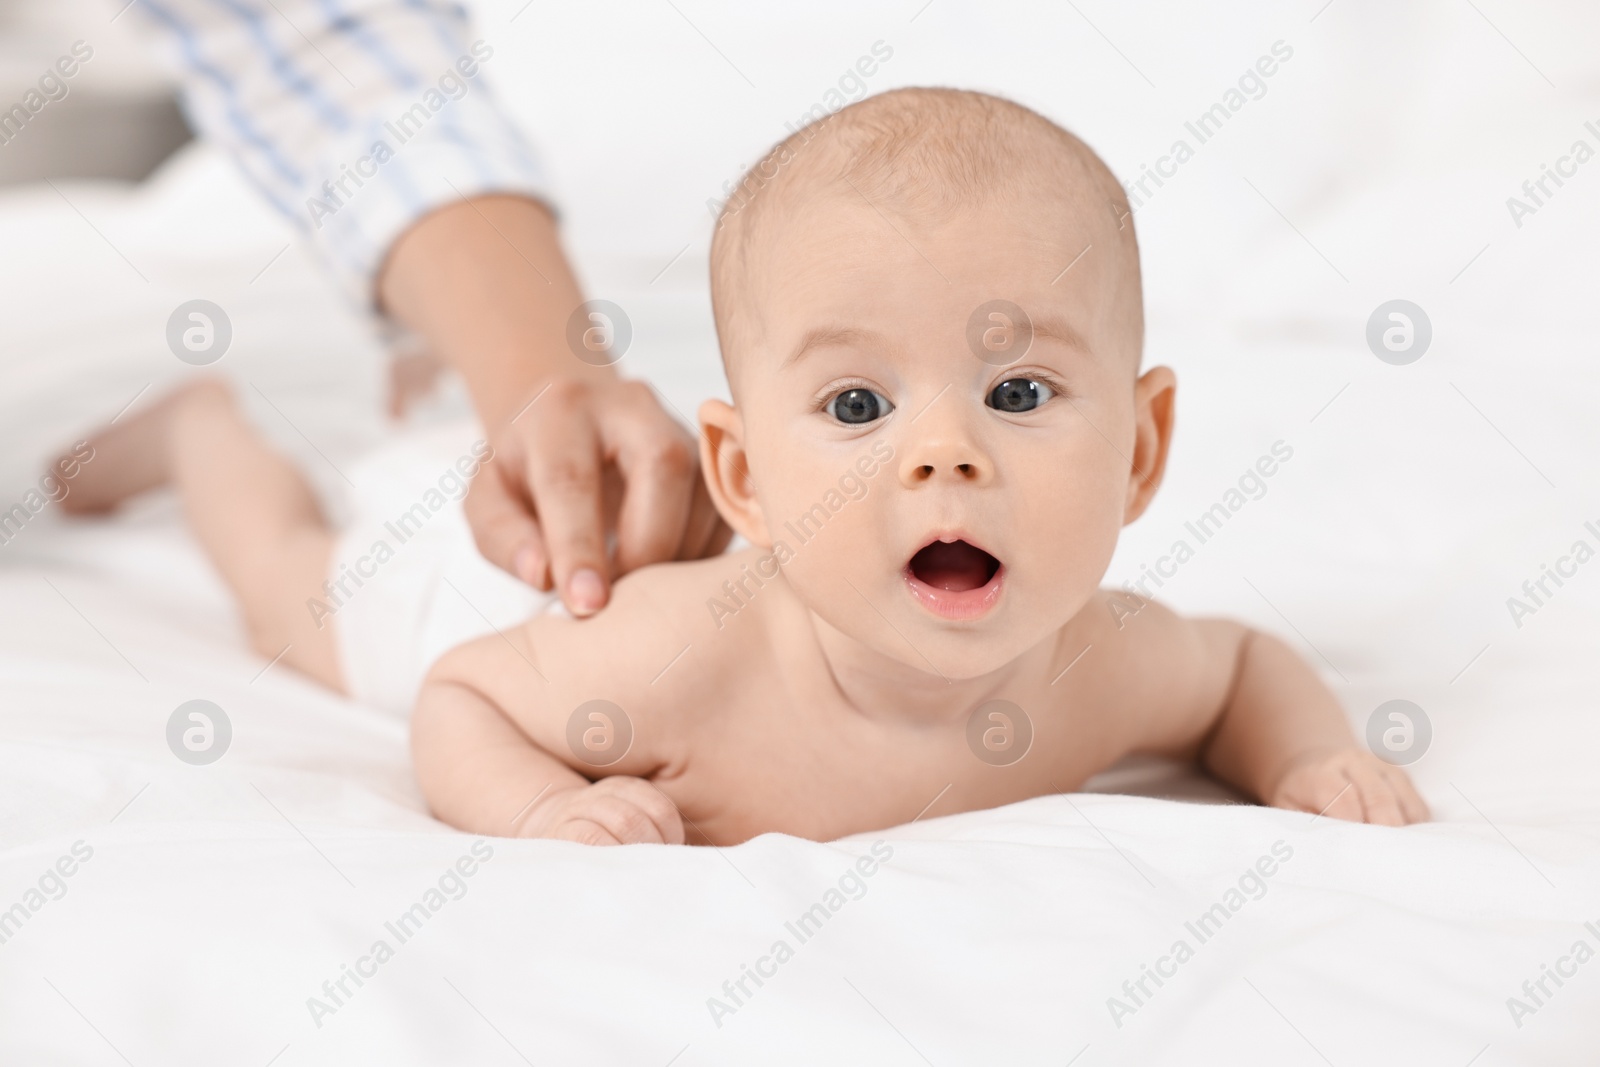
(995, 479)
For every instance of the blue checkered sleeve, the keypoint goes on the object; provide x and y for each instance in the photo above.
(354, 117)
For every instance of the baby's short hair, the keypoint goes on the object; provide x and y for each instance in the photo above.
(919, 153)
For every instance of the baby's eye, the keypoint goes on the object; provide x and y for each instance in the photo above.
(1019, 394)
(857, 407)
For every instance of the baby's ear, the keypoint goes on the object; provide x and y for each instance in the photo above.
(1154, 395)
(727, 471)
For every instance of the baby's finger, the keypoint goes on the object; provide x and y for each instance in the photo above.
(1327, 794)
(1411, 802)
(656, 804)
(627, 821)
(585, 832)
(1378, 797)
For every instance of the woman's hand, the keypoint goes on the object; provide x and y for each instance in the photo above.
(485, 282)
(541, 507)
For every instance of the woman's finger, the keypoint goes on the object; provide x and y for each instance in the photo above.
(707, 534)
(504, 528)
(660, 470)
(563, 473)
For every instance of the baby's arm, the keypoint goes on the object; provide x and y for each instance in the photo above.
(1252, 711)
(489, 732)
(1282, 737)
(482, 774)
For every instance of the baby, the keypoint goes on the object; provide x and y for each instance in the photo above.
(930, 315)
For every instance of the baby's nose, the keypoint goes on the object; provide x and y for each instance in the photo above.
(945, 453)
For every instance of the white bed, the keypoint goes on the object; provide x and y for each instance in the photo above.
(208, 905)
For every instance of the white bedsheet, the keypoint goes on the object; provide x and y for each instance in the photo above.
(216, 901)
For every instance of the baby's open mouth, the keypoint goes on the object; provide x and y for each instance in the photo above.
(954, 579)
(954, 566)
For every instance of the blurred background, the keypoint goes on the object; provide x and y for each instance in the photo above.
(121, 117)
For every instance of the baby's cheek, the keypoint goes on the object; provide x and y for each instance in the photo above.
(1072, 532)
(830, 532)
(783, 489)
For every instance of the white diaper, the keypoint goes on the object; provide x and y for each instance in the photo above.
(407, 582)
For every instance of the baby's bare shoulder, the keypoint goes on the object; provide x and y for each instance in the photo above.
(1133, 628)
(1164, 674)
(657, 649)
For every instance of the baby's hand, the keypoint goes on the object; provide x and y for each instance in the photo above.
(613, 811)
(1351, 784)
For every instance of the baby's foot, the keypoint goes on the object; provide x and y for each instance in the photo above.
(131, 456)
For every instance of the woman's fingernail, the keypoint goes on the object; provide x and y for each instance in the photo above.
(586, 591)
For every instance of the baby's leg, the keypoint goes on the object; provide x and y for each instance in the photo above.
(251, 511)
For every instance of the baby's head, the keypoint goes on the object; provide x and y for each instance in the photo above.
(930, 316)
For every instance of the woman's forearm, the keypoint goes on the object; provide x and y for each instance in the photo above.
(486, 282)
